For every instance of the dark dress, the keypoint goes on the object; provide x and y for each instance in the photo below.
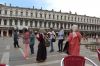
(41, 53)
(66, 47)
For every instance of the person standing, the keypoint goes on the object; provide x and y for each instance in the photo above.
(41, 53)
(52, 39)
(66, 47)
(26, 41)
(32, 41)
(74, 39)
(16, 45)
(60, 39)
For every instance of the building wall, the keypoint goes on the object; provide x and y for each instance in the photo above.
(11, 17)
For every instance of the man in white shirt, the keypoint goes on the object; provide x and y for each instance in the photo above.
(60, 39)
(52, 36)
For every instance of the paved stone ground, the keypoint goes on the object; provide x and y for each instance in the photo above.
(14, 57)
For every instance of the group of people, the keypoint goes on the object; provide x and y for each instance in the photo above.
(72, 46)
(73, 41)
(28, 41)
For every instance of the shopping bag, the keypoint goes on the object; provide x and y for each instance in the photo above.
(47, 43)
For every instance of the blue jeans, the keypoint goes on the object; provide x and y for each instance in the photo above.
(51, 44)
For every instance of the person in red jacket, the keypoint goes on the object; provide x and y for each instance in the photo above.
(74, 39)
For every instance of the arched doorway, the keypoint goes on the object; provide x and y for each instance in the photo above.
(4, 33)
(10, 33)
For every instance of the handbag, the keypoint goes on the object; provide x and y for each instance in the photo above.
(47, 43)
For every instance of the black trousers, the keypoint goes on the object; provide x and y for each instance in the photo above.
(16, 45)
(60, 45)
(32, 49)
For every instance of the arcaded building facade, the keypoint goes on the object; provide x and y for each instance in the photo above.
(11, 17)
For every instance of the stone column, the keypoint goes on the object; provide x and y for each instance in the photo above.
(70, 26)
(83, 27)
(80, 27)
(23, 23)
(28, 23)
(38, 24)
(18, 22)
(8, 22)
(59, 25)
(3, 12)
(63, 26)
(2, 22)
(13, 23)
(51, 25)
(7, 33)
(47, 25)
(96, 28)
(66, 26)
(1, 33)
(42, 24)
(55, 25)
(33, 24)
(89, 27)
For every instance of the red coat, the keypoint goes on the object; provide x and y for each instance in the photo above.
(74, 44)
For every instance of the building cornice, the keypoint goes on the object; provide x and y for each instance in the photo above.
(70, 13)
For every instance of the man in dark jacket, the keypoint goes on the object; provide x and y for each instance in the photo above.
(32, 42)
(16, 45)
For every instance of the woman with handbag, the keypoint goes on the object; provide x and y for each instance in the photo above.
(41, 52)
